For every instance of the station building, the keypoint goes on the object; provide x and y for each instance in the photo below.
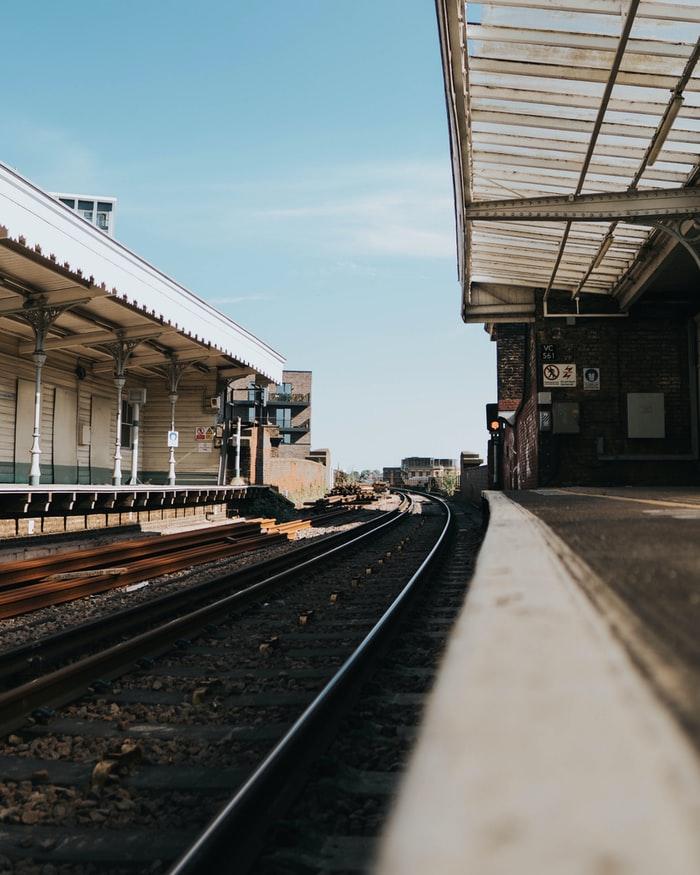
(114, 376)
(575, 162)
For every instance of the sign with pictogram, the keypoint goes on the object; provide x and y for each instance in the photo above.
(211, 433)
(558, 376)
(591, 378)
(200, 433)
(173, 439)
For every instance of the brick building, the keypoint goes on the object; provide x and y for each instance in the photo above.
(577, 240)
(276, 436)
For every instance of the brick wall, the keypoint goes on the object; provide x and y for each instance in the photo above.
(472, 482)
(299, 480)
(511, 343)
(518, 383)
(646, 352)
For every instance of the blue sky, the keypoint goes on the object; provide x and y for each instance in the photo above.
(288, 162)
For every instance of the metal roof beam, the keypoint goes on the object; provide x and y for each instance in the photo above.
(560, 122)
(568, 99)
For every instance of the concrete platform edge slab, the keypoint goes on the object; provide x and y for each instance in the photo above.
(543, 749)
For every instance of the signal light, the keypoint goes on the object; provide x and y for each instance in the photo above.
(493, 423)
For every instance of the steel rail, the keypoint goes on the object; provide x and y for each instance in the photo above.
(28, 570)
(28, 598)
(63, 684)
(18, 661)
(233, 839)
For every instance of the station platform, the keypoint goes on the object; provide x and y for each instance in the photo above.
(59, 499)
(544, 748)
(53, 508)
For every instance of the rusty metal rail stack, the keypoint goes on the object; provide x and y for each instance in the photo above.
(27, 585)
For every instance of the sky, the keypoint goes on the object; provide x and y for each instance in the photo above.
(288, 162)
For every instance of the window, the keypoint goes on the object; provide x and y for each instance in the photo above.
(68, 201)
(251, 414)
(127, 423)
(286, 438)
(85, 209)
(283, 417)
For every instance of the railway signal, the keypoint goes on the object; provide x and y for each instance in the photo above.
(494, 423)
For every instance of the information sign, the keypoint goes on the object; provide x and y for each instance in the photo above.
(548, 352)
(173, 438)
(558, 376)
(591, 378)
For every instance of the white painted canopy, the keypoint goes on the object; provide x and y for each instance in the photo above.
(557, 97)
(44, 244)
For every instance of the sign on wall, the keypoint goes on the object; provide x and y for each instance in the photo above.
(558, 376)
(548, 352)
(591, 378)
(200, 433)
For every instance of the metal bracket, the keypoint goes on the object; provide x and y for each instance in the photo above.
(121, 352)
(686, 232)
(37, 313)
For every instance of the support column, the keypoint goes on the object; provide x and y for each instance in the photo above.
(121, 353)
(174, 371)
(40, 317)
(135, 447)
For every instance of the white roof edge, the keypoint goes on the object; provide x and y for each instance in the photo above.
(27, 210)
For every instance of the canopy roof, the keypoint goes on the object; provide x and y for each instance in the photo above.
(560, 98)
(48, 250)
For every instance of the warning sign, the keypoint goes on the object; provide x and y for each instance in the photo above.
(558, 376)
(211, 433)
(200, 433)
(591, 378)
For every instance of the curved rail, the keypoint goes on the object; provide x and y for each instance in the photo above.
(232, 840)
(63, 684)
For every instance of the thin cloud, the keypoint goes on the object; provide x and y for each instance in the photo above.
(240, 299)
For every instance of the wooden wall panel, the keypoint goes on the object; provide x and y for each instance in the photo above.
(65, 433)
(102, 432)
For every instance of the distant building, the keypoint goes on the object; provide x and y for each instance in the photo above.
(289, 408)
(393, 476)
(425, 471)
(97, 210)
(286, 405)
(282, 412)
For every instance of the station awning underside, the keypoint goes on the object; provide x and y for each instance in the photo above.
(103, 293)
(551, 102)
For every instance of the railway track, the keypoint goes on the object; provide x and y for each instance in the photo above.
(163, 746)
(30, 584)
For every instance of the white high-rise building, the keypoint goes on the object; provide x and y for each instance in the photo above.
(99, 211)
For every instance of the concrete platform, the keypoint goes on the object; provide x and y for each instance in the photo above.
(544, 751)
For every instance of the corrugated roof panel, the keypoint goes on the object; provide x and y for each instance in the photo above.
(536, 74)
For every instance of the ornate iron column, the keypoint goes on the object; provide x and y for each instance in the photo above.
(173, 372)
(40, 316)
(121, 353)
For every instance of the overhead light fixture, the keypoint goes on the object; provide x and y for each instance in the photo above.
(660, 137)
(607, 243)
